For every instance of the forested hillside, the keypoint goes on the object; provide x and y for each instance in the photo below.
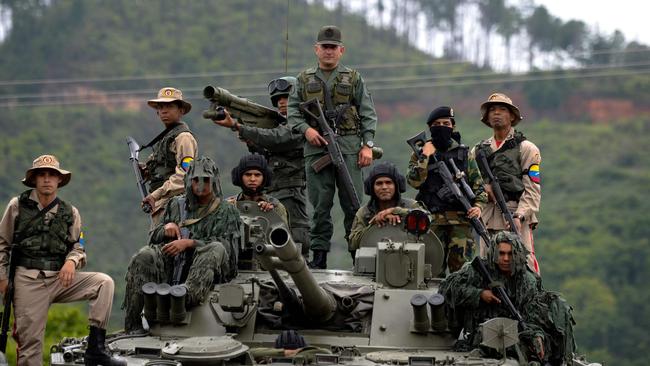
(75, 75)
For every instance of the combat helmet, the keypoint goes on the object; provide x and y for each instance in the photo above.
(281, 87)
(250, 162)
(202, 167)
(384, 169)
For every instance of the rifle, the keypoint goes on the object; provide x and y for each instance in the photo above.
(441, 168)
(334, 155)
(8, 298)
(181, 258)
(242, 109)
(484, 167)
(134, 150)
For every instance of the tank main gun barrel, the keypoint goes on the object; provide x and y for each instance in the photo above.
(318, 304)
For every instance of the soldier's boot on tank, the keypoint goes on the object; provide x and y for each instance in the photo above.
(353, 254)
(319, 260)
(96, 353)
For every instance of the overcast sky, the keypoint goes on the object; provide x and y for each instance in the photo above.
(629, 16)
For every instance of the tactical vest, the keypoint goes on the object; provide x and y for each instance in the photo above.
(505, 164)
(42, 245)
(433, 192)
(343, 91)
(163, 164)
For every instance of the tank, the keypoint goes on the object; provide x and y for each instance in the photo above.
(386, 310)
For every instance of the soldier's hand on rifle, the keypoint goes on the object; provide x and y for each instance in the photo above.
(66, 273)
(313, 137)
(226, 122)
(365, 157)
(3, 286)
(488, 297)
(265, 206)
(150, 201)
(172, 230)
(474, 212)
(177, 247)
(385, 217)
(428, 149)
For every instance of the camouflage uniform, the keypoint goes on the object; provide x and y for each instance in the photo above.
(356, 128)
(546, 314)
(284, 151)
(450, 225)
(215, 229)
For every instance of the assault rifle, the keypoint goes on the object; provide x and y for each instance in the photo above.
(181, 258)
(484, 167)
(8, 298)
(134, 150)
(334, 156)
(243, 110)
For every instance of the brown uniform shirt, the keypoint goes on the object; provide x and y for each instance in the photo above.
(184, 145)
(529, 202)
(77, 254)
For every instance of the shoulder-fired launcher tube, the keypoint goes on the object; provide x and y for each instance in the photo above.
(318, 304)
(244, 110)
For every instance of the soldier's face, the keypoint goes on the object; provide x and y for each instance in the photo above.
(328, 55)
(201, 187)
(499, 116)
(283, 103)
(384, 188)
(252, 179)
(47, 181)
(169, 112)
(505, 257)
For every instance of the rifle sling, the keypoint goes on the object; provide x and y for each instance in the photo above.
(159, 137)
(211, 209)
(40, 213)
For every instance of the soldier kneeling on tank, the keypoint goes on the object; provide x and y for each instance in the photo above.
(547, 330)
(384, 185)
(197, 228)
(253, 175)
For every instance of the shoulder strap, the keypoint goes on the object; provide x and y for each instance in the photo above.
(40, 213)
(159, 137)
(213, 207)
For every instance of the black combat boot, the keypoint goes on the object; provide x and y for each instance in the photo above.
(319, 260)
(353, 254)
(96, 353)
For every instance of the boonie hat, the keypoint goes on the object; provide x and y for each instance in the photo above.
(168, 95)
(441, 112)
(46, 162)
(499, 98)
(329, 34)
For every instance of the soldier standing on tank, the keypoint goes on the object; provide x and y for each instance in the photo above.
(173, 151)
(351, 106)
(283, 148)
(515, 162)
(471, 300)
(385, 185)
(450, 222)
(213, 241)
(253, 175)
(50, 250)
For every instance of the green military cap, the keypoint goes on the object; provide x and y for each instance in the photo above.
(329, 34)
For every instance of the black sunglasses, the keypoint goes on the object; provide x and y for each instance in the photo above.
(279, 85)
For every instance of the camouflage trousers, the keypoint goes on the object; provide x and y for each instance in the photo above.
(455, 234)
(209, 266)
(321, 187)
(294, 200)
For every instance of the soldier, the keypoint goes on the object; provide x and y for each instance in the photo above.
(50, 250)
(214, 239)
(283, 148)
(514, 161)
(344, 99)
(450, 222)
(384, 185)
(548, 328)
(252, 174)
(173, 150)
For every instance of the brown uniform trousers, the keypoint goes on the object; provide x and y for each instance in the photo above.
(36, 290)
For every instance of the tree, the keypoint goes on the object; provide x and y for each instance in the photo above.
(508, 26)
(491, 14)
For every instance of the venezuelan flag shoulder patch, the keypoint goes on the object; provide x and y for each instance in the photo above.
(534, 173)
(82, 241)
(186, 162)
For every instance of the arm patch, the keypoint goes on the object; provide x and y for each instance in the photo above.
(186, 162)
(534, 173)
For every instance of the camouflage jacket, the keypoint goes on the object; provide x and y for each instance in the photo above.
(221, 224)
(418, 171)
(360, 225)
(284, 150)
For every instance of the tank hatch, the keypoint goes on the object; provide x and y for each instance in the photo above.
(204, 349)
